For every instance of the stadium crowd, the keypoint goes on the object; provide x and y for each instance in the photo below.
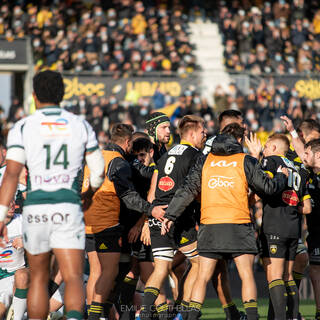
(273, 37)
(121, 37)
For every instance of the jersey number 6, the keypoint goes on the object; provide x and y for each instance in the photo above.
(169, 165)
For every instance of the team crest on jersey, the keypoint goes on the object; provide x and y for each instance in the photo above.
(290, 197)
(273, 248)
(166, 184)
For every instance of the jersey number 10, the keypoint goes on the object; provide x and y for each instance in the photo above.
(294, 180)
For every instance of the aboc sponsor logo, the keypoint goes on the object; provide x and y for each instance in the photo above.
(220, 182)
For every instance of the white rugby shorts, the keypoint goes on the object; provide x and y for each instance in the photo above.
(53, 226)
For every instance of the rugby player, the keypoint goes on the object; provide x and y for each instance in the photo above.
(102, 211)
(312, 160)
(224, 177)
(158, 127)
(226, 117)
(13, 272)
(281, 228)
(52, 143)
(172, 169)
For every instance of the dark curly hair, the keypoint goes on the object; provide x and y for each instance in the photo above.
(48, 86)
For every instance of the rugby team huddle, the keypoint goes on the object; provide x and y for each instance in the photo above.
(152, 213)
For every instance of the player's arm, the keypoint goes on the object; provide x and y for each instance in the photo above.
(187, 192)
(144, 171)
(296, 141)
(16, 159)
(94, 160)
(260, 182)
(153, 185)
(305, 206)
(119, 171)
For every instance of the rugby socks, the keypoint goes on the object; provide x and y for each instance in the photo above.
(128, 289)
(74, 315)
(19, 303)
(150, 296)
(278, 295)
(297, 276)
(184, 309)
(52, 287)
(270, 310)
(162, 310)
(293, 299)
(95, 311)
(194, 310)
(251, 308)
(231, 311)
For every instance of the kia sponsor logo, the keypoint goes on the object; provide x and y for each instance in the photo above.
(166, 184)
(223, 164)
(220, 182)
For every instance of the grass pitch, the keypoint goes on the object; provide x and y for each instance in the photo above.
(212, 309)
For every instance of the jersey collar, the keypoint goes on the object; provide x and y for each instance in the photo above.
(49, 107)
(186, 142)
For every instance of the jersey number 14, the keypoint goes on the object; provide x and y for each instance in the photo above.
(61, 158)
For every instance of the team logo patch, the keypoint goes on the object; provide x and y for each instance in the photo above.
(290, 197)
(183, 240)
(166, 184)
(103, 246)
(120, 242)
(273, 249)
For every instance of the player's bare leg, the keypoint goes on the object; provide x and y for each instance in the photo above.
(244, 265)
(38, 300)
(95, 272)
(71, 264)
(205, 272)
(220, 282)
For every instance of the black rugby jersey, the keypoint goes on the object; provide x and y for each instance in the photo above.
(173, 168)
(303, 171)
(313, 219)
(280, 212)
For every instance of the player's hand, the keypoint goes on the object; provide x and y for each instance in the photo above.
(288, 123)
(145, 235)
(134, 233)
(158, 212)
(254, 145)
(284, 170)
(166, 225)
(17, 243)
(3, 234)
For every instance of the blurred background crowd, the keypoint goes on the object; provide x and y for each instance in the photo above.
(278, 36)
(127, 38)
(121, 37)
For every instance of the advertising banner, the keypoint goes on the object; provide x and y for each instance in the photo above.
(76, 85)
(13, 52)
